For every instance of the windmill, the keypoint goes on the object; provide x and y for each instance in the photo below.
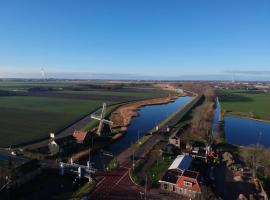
(102, 122)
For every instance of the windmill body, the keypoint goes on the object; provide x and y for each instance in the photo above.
(102, 122)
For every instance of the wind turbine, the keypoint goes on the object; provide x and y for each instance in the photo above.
(101, 120)
(43, 73)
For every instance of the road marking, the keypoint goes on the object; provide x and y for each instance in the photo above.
(121, 178)
(124, 167)
(101, 181)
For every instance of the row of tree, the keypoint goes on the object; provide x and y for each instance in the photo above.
(202, 117)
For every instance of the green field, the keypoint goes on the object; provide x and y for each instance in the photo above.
(245, 103)
(27, 118)
(114, 93)
(27, 115)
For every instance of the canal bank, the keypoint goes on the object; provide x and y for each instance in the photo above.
(240, 130)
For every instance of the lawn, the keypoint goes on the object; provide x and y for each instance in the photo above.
(158, 168)
(245, 103)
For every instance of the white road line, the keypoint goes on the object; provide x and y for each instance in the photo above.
(124, 167)
(121, 178)
(100, 181)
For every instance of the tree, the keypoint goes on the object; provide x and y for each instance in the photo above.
(207, 194)
(202, 121)
(256, 157)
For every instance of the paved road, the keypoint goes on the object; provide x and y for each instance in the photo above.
(116, 184)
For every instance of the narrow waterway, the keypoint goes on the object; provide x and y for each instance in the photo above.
(148, 118)
(242, 131)
(216, 117)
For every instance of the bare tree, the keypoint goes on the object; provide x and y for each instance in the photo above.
(202, 121)
(256, 157)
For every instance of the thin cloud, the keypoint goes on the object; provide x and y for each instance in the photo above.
(248, 72)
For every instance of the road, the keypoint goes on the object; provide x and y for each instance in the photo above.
(116, 184)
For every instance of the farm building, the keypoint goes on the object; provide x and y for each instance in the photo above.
(181, 179)
(181, 163)
(175, 140)
(80, 136)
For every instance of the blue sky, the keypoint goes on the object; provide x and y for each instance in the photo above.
(139, 37)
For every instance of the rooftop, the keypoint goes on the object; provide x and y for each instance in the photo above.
(79, 135)
(190, 174)
(181, 162)
(170, 177)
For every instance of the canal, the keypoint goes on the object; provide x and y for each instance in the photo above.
(148, 118)
(242, 131)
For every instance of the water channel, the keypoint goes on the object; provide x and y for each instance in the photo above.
(148, 118)
(243, 131)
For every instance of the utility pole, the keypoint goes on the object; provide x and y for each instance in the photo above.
(145, 188)
(133, 164)
(255, 154)
(89, 152)
(138, 137)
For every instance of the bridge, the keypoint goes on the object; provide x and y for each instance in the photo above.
(72, 168)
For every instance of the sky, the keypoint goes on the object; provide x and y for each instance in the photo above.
(216, 39)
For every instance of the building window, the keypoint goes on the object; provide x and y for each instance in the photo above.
(188, 184)
(173, 188)
(181, 190)
(165, 185)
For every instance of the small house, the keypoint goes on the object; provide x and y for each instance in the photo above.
(80, 136)
(188, 184)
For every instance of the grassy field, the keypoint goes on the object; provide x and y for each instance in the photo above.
(27, 115)
(114, 93)
(245, 103)
(28, 118)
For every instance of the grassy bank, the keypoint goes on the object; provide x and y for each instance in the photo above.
(245, 103)
(83, 191)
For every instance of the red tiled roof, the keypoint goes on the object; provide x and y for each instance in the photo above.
(191, 179)
(79, 135)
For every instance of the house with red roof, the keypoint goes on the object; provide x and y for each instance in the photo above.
(180, 179)
(188, 184)
(79, 136)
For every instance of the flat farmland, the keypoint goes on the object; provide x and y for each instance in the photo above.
(245, 103)
(26, 118)
(31, 110)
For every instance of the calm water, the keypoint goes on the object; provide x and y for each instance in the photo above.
(216, 117)
(246, 131)
(149, 117)
(243, 131)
